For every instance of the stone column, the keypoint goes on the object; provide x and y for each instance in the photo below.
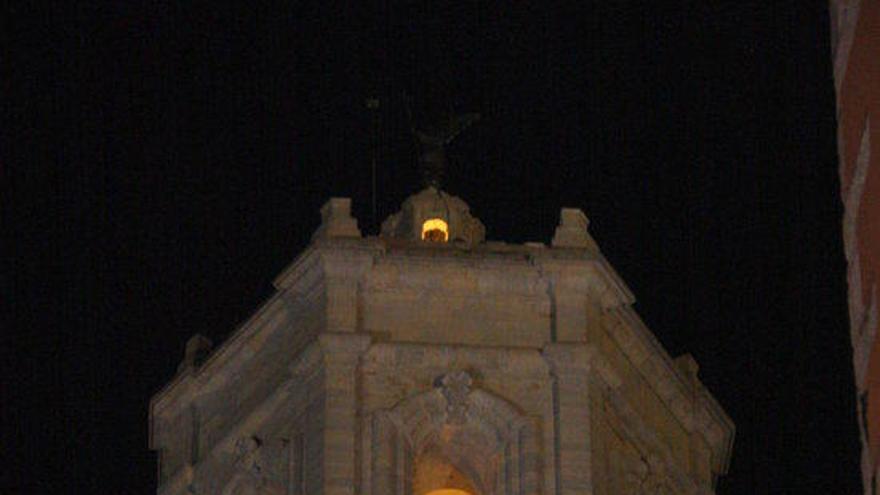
(570, 368)
(341, 354)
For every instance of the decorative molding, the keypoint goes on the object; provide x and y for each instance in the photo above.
(479, 433)
(658, 459)
(456, 387)
(338, 348)
(675, 390)
(178, 393)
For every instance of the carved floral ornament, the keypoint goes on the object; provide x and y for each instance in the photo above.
(456, 387)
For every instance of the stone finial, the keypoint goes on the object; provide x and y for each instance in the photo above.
(572, 230)
(336, 220)
(198, 348)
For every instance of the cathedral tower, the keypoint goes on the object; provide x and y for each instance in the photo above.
(427, 360)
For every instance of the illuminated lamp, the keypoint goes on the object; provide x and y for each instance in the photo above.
(448, 491)
(435, 230)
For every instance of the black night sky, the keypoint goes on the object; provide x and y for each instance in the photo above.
(165, 160)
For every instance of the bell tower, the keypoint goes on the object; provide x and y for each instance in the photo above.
(429, 361)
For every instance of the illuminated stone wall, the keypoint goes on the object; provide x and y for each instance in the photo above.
(856, 51)
(397, 365)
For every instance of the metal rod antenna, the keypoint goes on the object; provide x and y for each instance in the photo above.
(373, 106)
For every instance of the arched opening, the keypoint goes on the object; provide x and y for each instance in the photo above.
(435, 230)
(454, 438)
(435, 474)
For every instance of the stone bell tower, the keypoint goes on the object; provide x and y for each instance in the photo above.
(427, 360)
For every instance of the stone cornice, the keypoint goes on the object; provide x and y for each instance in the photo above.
(302, 274)
(582, 270)
(328, 347)
(578, 271)
(717, 428)
(302, 271)
(615, 293)
(576, 358)
(515, 361)
(328, 350)
(302, 281)
(185, 381)
(339, 348)
(678, 392)
(308, 362)
(263, 412)
(658, 455)
(482, 275)
(595, 269)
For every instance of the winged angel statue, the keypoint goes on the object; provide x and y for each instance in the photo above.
(432, 141)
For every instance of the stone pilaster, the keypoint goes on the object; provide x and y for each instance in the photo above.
(572, 310)
(570, 368)
(343, 271)
(341, 353)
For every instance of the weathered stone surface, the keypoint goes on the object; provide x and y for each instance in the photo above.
(396, 365)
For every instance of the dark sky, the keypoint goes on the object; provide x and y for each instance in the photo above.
(164, 161)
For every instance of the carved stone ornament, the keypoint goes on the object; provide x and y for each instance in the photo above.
(456, 387)
(248, 454)
(432, 203)
(642, 477)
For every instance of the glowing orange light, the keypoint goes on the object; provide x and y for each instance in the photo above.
(448, 491)
(435, 230)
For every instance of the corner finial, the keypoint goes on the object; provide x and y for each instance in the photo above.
(572, 230)
(336, 220)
